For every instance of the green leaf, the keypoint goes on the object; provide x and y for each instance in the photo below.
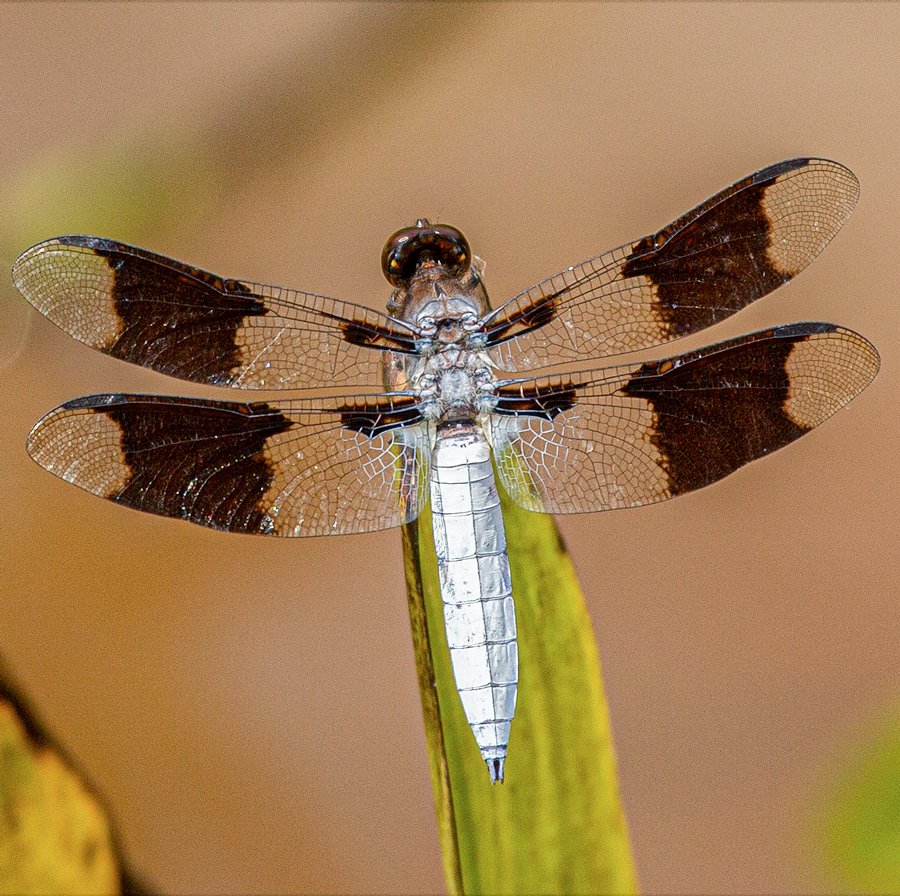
(857, 829)
(556, 824)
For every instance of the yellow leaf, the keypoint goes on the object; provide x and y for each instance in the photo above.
(54, 836)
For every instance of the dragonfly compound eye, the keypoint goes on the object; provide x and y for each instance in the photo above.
(437, 244)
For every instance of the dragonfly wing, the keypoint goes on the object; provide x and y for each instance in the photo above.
(169, 316)
(631, 435)
(708, 264)
(329, 466)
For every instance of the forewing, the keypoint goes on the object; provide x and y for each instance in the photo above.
(631, 435)
(308, 467)
(185, 322)
(727, 252)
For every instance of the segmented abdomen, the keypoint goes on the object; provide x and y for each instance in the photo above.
(475, 587)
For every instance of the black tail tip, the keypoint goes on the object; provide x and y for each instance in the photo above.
(495, 769)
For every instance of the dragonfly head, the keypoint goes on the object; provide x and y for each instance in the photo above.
(425, 245)
(434, 275)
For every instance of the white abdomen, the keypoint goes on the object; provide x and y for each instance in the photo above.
(475, 587)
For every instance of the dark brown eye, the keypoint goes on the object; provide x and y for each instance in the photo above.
(411, 246)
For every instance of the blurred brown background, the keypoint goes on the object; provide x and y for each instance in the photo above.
(249, 707)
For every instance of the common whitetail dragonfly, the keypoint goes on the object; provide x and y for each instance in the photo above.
(460, 391)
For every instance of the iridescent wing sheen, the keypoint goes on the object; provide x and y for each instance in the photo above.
(185, 322)
(718, 258)
(636, 434)
(328, 466)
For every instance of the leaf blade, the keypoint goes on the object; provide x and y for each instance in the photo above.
(556, 825)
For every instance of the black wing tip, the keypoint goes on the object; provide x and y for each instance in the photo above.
(108, 400)
(798, 164)
(783, 167)
(76, 240)
(80, 240)
(805, 329)
(96, 402)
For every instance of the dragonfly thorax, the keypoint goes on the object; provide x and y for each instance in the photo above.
(449, 367)
(455, 384)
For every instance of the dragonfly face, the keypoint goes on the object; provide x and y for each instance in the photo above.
(464, 395)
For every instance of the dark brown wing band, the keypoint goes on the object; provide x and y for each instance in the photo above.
(716, 410)
(372, 418)
(193, 459)
(719, 257)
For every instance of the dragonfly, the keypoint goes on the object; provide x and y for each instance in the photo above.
(444, 395)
